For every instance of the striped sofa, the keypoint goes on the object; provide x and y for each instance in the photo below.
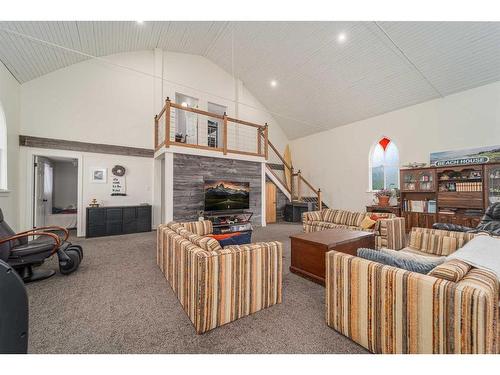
(216, 286)
(453, 309)
(389, 229)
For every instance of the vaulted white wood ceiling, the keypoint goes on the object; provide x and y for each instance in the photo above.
(381, 66)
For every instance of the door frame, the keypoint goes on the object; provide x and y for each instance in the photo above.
(30, 183)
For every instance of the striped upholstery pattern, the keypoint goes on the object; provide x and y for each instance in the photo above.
(453, 270)
(201, 228)
(389, 231)
(437, 242)
(218, 287)
(389, 310)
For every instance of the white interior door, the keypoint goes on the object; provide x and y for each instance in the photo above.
(39, 204)
(43, 191)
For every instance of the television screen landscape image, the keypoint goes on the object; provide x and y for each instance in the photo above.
(226, 195)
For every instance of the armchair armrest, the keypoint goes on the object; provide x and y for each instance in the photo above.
(49, 229)
(57, 240)
(390, 310)
(390, 233)
(451, 227)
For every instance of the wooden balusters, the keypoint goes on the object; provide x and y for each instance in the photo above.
(167, 122)
(266, 141)
(156, 132)
(224, 134)
(259, 141)
(299, 183)
(320, 203)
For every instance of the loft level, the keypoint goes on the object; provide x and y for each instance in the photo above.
(183, 126)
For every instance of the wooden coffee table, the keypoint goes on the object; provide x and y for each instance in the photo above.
(309, 249)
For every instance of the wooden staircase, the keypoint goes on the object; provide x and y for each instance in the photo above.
(291, 183)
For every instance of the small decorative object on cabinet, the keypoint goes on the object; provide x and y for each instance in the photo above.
(94, 203)
(383, 197)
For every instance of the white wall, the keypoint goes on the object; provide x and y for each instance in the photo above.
(65, 180)
(337, 160)
(9, 100)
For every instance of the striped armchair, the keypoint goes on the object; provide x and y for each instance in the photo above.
(453, 309)
(216, 286)
(389, 229)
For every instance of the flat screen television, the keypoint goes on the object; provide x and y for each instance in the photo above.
(222, 195)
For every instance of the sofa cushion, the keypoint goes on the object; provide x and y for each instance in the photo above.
(343, 217)
(392, 258)
(201, 228)
(452, 270)
(433, 243)
(409, 250)
(206, 243)
(313, 216)
(368, 223)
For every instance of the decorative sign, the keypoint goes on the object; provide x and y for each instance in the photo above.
(118, 186)
(480, 155)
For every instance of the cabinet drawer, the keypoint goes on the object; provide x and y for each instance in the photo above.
(461, 200)
(96, 230)
(129, 214)
(114, 214)
(96, 215)
(144, 213)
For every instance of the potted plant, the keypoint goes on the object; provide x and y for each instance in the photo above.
(383, 197)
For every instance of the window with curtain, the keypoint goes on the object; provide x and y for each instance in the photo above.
(3, 150)
(384, 165)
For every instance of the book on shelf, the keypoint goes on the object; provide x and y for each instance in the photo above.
(428, 206)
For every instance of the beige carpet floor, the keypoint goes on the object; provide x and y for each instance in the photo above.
(119, 302)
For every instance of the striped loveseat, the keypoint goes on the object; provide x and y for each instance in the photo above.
(216, 286)
(453, 309)
(389, 230)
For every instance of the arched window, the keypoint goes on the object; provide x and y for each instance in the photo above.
(3, 150)
(384, 165)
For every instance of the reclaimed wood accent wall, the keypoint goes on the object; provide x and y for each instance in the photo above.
(190, 172)
(61, 144)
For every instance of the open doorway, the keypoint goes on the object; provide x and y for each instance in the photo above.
(55, 192)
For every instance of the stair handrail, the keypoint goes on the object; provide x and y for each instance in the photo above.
(302, 179)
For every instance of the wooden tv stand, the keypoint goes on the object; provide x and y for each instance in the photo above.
(230, 221)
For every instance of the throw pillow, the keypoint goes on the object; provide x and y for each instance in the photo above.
(368, 223)
(453, 270)
(409, 264)
(374, 217)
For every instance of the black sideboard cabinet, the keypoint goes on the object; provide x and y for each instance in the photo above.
(112, 220)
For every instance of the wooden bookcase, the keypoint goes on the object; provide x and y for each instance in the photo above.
(457, 194)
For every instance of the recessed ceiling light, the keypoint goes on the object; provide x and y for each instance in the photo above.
(341, 38)
(140, 22)
(273, 83)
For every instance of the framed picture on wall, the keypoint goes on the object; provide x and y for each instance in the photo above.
(99, 175)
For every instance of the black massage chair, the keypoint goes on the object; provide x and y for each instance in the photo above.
(13, 312)
(22, 255)
(490, 223)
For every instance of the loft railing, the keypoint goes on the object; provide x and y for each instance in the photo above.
(191, 127)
